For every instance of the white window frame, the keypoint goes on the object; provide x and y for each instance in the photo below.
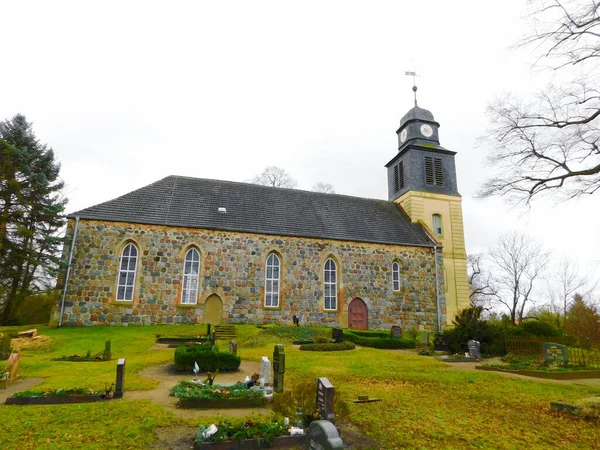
(433, 225)
(189, 291)
(272, 281)
(128, 272)
(330, 278)
(395, 277)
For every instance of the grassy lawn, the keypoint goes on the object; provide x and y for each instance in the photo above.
(425, 403)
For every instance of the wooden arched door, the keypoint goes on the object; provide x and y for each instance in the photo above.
(213, 310)
(358, 315)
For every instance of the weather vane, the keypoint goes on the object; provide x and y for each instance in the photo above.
(414, 75)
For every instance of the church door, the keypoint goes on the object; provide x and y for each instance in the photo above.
(357, 313)
(213, 310)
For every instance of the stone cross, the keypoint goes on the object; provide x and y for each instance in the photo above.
(323, 435)
(474, 348)
(265, 371)
(396, 331)
(555, 353)
(278, 368)
(120, 377)
(325, 393)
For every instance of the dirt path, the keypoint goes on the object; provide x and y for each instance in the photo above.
(20, 385)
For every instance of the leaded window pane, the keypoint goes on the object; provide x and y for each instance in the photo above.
(272, 281)
(191, 270)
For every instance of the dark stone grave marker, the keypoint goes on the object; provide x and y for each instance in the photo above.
(325, 393)
(396, 331)
(296, 320)
(474, 348)
(120, 378)
(441, 343)
(323, 435)
(555, 353)
(233, 347)
(278, 368)
(337, 334)
(213, 338)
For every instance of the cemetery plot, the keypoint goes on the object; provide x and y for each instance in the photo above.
(104, 355)
(195, 394)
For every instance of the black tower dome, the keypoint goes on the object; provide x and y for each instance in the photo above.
(417, 123)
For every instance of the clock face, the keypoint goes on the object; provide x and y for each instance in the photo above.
(403, 134)
(426, 130)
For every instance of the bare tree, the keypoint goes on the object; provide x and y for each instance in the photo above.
(325, 188)
(566, 281)
(518, 264)
(275, 177)
(552, 143)
(482, 291)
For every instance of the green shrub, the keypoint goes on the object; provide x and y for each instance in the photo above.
(207, 356)
(469, 325)
(321, 340)
(286, 335)
(412, 334)
(304, 394)
(379, 342)
(329, 347)
(536, 328)
(370, 334)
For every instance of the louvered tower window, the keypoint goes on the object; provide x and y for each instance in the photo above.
(433, 171)
(399, 176)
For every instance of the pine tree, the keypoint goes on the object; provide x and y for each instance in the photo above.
(31, 214)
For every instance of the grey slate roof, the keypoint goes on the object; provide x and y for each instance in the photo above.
(194, 202)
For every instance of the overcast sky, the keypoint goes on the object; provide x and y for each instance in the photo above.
(129, 92)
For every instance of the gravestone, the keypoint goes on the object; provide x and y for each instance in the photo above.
(424, 337)
(5, 346)
(265, 371)
(106, 356)
(441, 343)
(325, 393)
(278, 368)
(296, 320)
(233, 347)
(555, 353)
(213, 338)
(14, 360)
(396, 331)
(474, 348)
(120, 378)
(337, 334)
(323, 435)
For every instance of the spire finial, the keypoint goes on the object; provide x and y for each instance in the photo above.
(414, 88)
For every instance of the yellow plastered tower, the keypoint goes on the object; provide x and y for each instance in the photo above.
(422, 180)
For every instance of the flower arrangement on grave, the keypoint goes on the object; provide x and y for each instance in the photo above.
(262, 431)
(191, 389)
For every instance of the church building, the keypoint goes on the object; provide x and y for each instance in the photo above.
(192, 250)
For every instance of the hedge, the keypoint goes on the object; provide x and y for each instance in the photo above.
(330, 347)
(207, 356)
(379, 342)
(370, 334)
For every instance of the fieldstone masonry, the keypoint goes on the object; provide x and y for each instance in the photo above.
(233, 268)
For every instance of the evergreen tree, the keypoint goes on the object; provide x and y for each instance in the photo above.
(31, 214)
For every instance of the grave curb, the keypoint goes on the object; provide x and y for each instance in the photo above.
(251, 444)
(56, 400)
(221, 403)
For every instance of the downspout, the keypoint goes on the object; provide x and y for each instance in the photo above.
(64, 294)
(437, 289)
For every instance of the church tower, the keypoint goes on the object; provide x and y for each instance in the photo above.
(422, 180)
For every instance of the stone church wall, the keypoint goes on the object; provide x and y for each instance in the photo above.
(233, 267)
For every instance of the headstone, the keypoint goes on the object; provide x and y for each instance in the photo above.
(396, 331)
(441, 342)
(120, 377)
(474, 348)
(233, 347)
(14, 360)
(5, 346)
(337, 334)
(213, 338)
(106, 356)
(278, 368)
(265, 371)
(555, 353)
(323, 435)
(325, 393)
(296, 320)
(425, 337)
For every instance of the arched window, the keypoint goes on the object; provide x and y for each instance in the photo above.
(330, 284)
(437, 224)
(272, 281)
(127, 268)
(191, 273)
(396, 276)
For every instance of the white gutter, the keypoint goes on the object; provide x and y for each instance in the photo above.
(64, 294)
(437, 289)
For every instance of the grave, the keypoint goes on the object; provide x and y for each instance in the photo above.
(474, 348)
(337, 334)
(441, 343)
(107, 355)
(325, 392)
(265, 371)
(278, 368)
(396, 331)
(5, 346)
(120, 378)
(555, 353)
(296, 320)
(424, 337)
(233, 347)
(323, 435)
(14, 360)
